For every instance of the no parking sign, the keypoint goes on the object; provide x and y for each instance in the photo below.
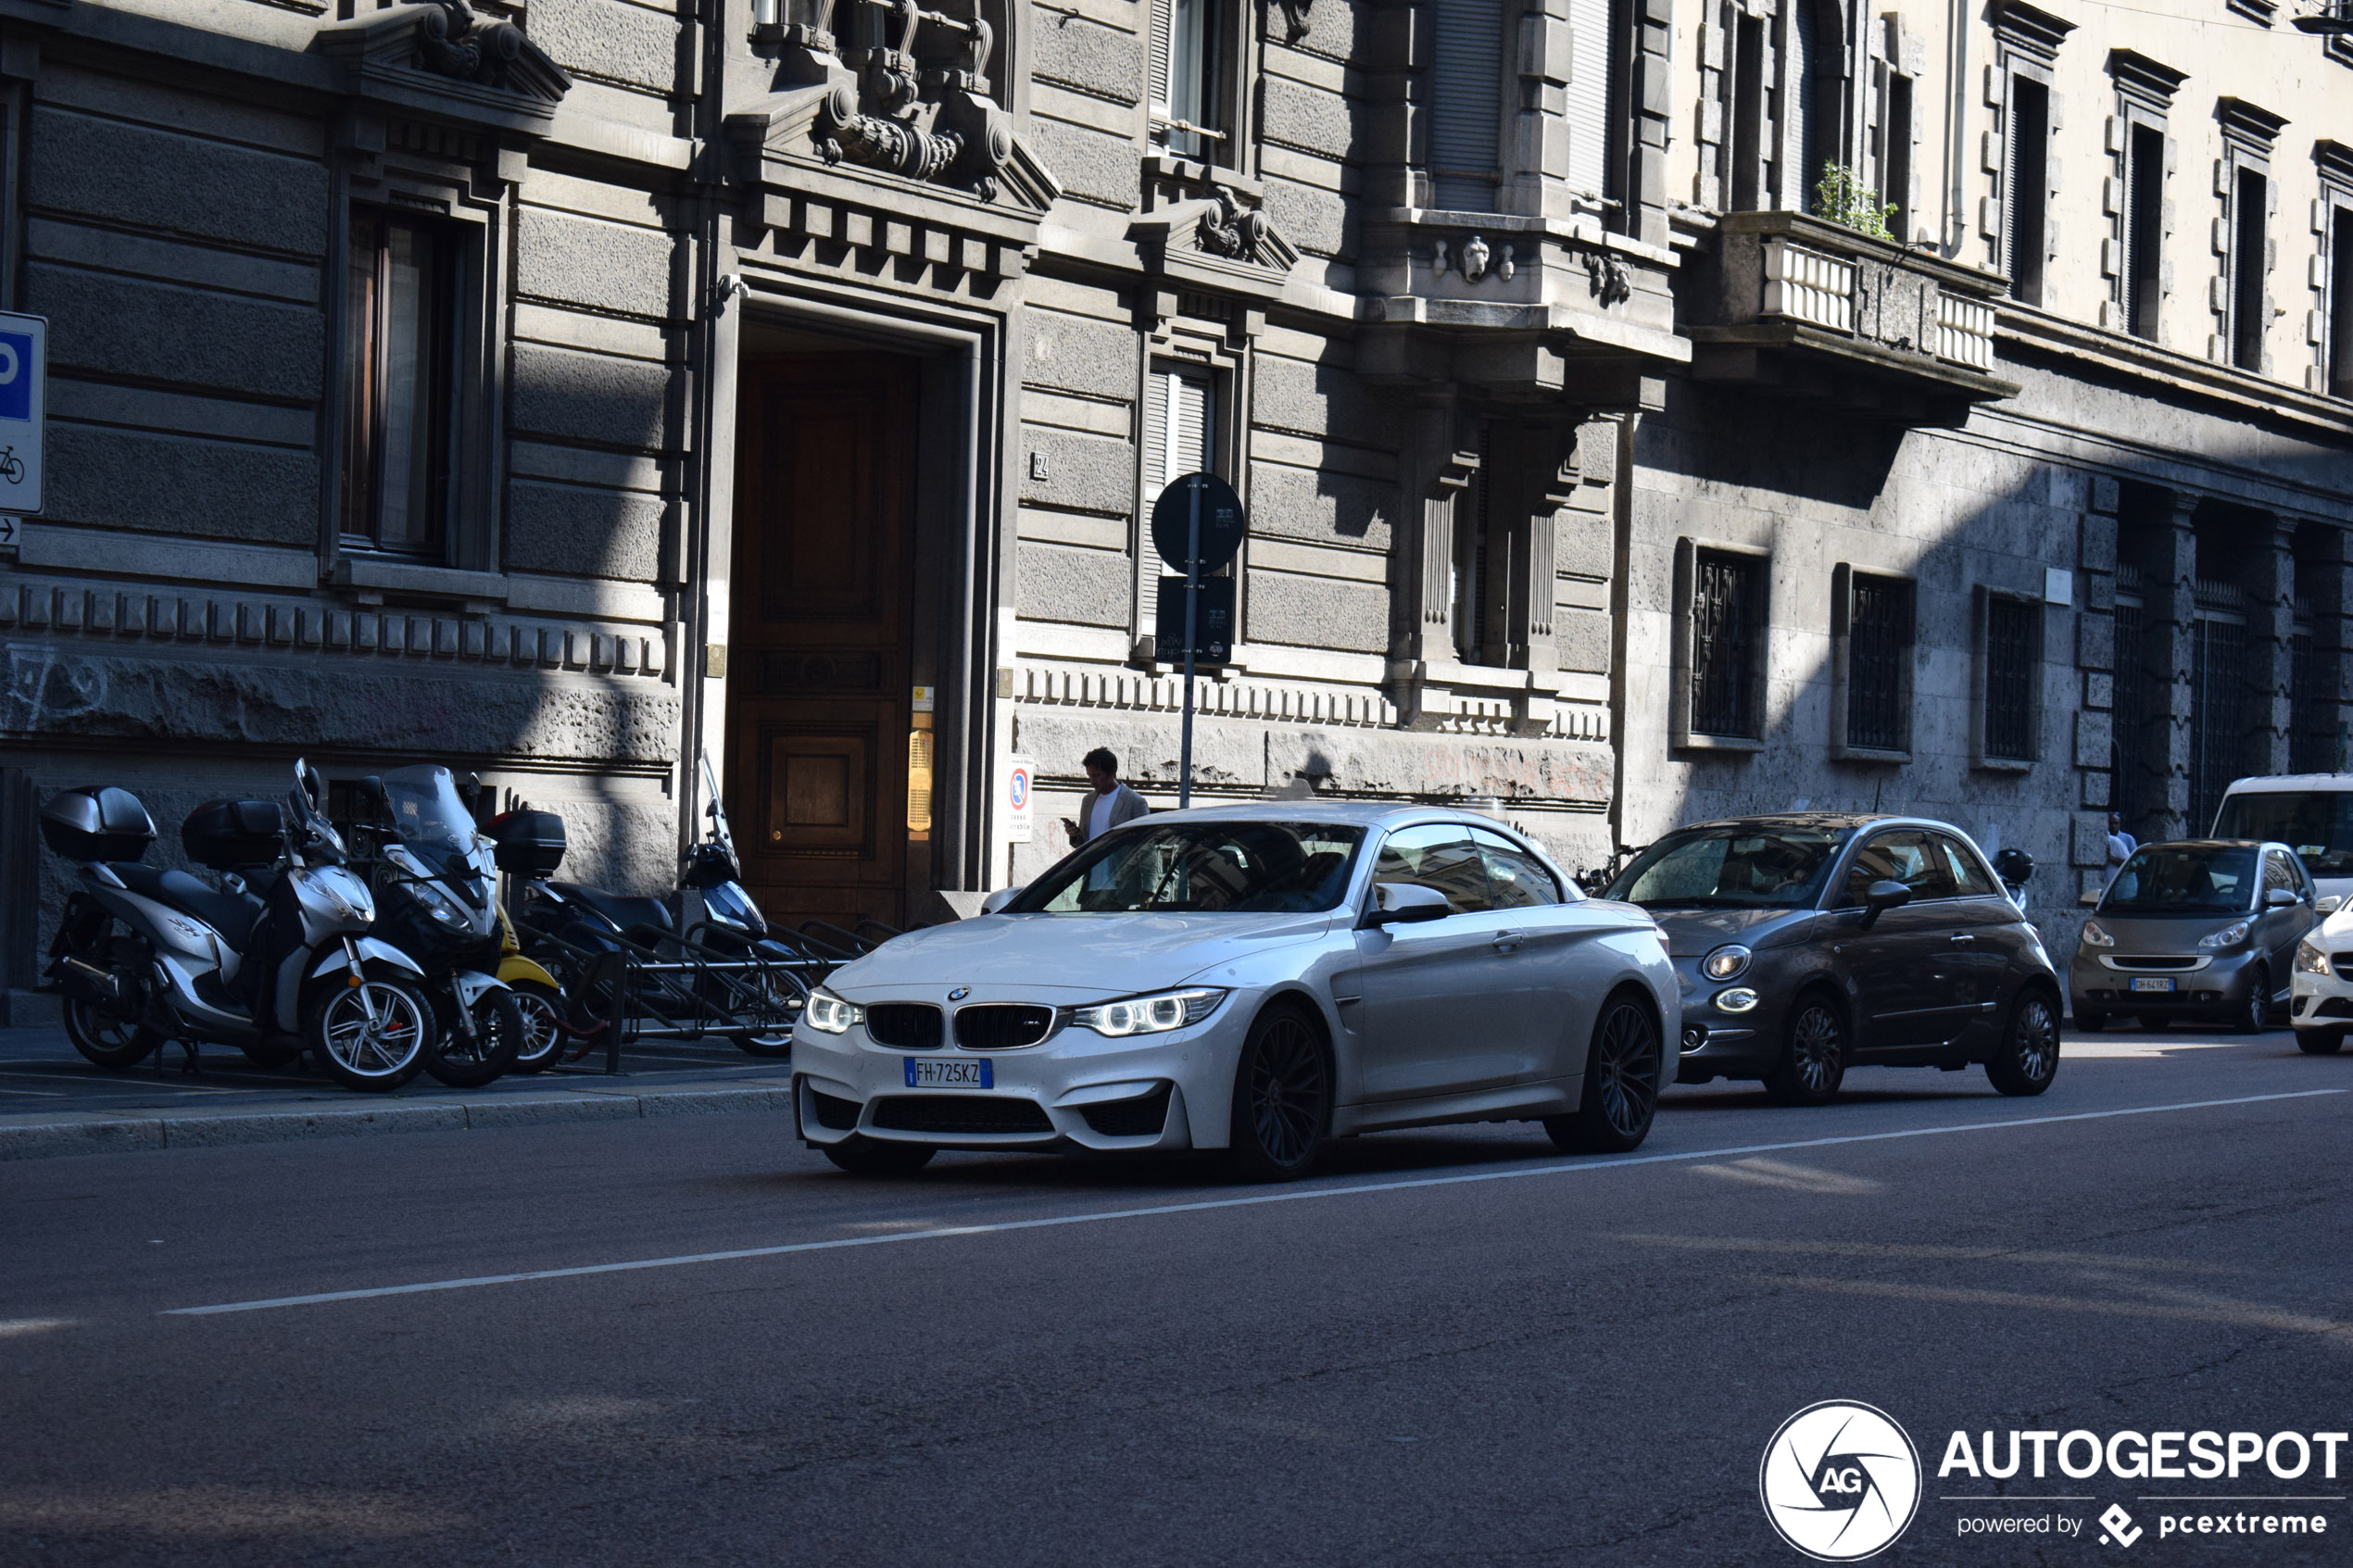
(1020, 773)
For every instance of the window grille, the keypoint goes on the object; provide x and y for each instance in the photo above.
(1724, 638)
(2010, 658)
(2313, 703)
(1473, 557)
(2131, 683)
(1879, 655)
(2218, 713)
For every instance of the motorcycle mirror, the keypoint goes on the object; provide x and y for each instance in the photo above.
(469, 791)
(371, 789)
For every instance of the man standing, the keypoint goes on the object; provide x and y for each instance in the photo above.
(1112, 804)
(2121, 844)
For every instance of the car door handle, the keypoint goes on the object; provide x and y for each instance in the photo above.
(1964, 936)
(1508, 941)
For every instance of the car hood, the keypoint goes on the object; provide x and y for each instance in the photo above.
(1691, 933)
(2163, 933)
(1083, 954)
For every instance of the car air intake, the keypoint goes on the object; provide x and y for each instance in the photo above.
(2152, 961)
(833, 1113)
(1141, 1117)
(907, 1026)
(961, 1113)
(1002, 1026)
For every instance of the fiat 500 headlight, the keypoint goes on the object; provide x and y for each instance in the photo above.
(2229, 936)
(1724, 962)
(2311, 959)
(1150, 1015)
(831, 1014)
(2096, 936)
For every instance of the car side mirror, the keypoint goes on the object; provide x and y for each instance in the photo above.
(998, 899)
(2089, 898)
(1406, 903)
(1883, 896)
(2328, 905)
(2281, 898)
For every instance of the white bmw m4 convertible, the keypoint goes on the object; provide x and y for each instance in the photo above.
(1253, 979)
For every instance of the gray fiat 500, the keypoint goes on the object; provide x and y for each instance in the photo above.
(1805, 944)
(2199, 928)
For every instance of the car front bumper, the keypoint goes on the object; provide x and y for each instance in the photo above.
(2216, 987)
(1076, 1090)
(2320, 1001)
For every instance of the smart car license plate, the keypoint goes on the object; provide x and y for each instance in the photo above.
(2140, 983)
(932, 1072)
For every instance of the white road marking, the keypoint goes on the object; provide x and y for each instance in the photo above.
(1289, 1195)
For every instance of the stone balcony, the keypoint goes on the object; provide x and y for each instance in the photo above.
(1818, 311)
(1516, 306)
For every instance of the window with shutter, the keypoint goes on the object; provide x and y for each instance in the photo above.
(1587, 97)
(1182, 74)
(1467, 104)
(1476, 560)
(1801, 152)
(1179, 428)
(2027, 178)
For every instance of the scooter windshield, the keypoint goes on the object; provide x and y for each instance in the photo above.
(426, 810)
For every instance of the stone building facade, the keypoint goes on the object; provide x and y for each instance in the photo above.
(571, 390)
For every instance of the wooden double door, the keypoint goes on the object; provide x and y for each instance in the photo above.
(820, 637)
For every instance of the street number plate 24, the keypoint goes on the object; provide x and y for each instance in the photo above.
(932, 1072)
(2140, 983)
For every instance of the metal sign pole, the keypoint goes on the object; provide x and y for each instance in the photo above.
(1192, 613)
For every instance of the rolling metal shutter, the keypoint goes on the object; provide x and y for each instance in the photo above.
(1587, 97)
(1466, 103)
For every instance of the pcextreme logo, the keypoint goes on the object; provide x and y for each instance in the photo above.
(1839, 1480)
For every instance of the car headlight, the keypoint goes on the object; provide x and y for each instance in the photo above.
(1725, 963)
(2229, 936)
(831, 1014)
(2096, 936)
(1740, 999)
(1149, 1015)
(2311, 959)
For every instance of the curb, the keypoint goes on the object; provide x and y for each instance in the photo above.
(92, 1131)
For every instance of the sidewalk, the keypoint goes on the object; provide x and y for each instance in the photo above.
(53, 1102)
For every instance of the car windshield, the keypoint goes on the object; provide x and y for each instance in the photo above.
(1730, 868)
(2316, 823)
(426, 810)
(2172, 879)
(1201, 867)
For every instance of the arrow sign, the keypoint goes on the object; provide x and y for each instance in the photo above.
(1223, 522)
(24, 363)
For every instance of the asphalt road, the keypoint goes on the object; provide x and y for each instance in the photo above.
(1448, 1347)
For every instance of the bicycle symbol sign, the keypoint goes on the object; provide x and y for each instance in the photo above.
(24, 362)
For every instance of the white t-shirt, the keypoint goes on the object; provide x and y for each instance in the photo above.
(1098, 812)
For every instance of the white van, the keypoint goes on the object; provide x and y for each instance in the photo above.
(2312, 812)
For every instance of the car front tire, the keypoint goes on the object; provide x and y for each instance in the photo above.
(2251, 1015)
(1282, 1098)
(2319, 1042)
(2028, 1056)
(2088, 1022)
(1620, 1097)
(1814, 1053)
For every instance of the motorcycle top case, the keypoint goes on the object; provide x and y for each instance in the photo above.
(226, 834)
(527, 842)
(100, 822)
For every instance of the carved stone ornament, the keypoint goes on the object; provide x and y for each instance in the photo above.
(1437, 257)
(1295, 18)
(918, 106)
(1606, 276)
(1474, 259)
(453, 41)
(445, 61)
(1232, 231)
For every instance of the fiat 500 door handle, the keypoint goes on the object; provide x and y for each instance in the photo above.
(1508, 941)
(1963, 937)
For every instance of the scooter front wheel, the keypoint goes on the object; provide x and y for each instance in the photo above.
(464, 1063)
(543, 1035)
(374, 1035)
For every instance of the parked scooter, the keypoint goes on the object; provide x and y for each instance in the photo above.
(436, 881)
(709, 909)
(144, 956)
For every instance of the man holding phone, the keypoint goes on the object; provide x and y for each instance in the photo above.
(1112, 804)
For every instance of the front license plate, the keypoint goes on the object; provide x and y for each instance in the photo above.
(2140, 983)
(932, 1072)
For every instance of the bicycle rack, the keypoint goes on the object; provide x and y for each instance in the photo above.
(677, 989)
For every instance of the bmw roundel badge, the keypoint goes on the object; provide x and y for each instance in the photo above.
(960, 993)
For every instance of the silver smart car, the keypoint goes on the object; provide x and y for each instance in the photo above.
(1250, 979)
(2199, 928)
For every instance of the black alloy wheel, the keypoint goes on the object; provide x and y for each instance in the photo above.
(462, 1060)
(1620, 1095)
(542, 1009)
(2250, 1015)
(2028, 1058)
(2319, 1042)
(1813, 1053)
(1282, 1098)
(109, 1039)
(863, 1156)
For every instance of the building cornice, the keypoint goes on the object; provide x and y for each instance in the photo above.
(2022, 326)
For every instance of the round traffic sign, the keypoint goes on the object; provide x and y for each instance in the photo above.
(1222, 521)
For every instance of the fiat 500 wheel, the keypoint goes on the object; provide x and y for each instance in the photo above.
(1282, 1098)
(1620, 1097)
(2028, 1058)
(1813, 1054)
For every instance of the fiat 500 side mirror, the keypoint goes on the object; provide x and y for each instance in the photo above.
(1883, 896)
(998, 899)
(1406, 903)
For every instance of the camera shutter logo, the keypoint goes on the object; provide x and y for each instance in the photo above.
(1839, 1480)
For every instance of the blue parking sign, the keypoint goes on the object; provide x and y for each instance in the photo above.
(24, 362)
(19, 367)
